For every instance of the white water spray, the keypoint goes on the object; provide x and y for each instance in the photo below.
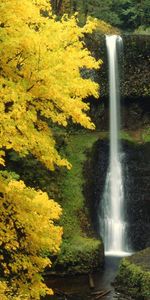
(112, 222)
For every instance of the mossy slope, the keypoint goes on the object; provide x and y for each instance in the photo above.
(80, 251)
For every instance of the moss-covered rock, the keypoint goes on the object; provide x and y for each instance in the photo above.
(80, 255)
(134, 275)
(81, 251)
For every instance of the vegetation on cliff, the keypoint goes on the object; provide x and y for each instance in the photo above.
(80, 251)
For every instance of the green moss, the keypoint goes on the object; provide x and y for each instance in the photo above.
(126, 136)
(80, 252)
(138, 136)
(146, 135)
(71, 182)
(134, 275)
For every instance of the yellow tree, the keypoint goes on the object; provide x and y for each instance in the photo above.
(27, 232)
(40, 79)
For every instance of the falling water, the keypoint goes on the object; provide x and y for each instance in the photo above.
(112, 222)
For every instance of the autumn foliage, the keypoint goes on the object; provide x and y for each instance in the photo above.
(27, 232)
(40, 79)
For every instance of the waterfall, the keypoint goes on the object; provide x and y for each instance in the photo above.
(112, 219)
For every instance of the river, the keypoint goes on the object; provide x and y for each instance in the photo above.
(78, 287)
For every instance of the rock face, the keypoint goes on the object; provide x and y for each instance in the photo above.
(95, 170)
(136, 171)
(134, 83)
(134, 64)
(137, 194)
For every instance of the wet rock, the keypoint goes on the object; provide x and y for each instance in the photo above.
(136, 171)
(134, 64)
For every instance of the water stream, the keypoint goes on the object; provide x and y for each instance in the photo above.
(112, 217)
(78, 288)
